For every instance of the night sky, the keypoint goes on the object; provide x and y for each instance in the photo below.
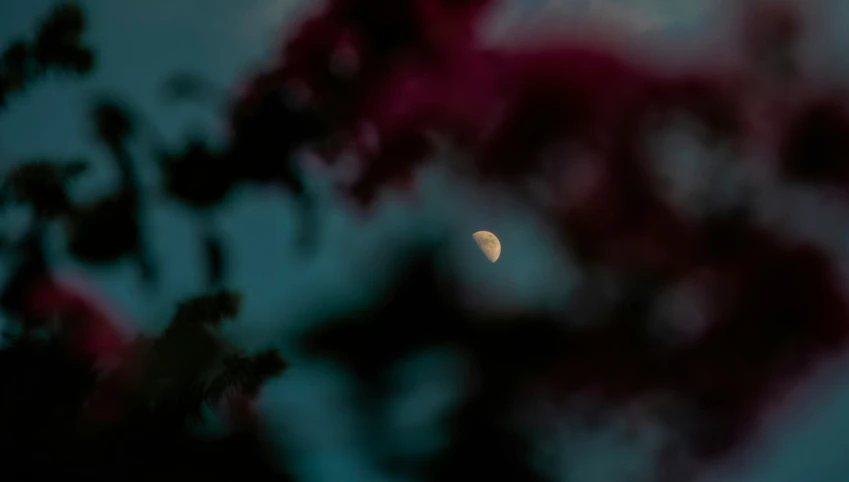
(140, 43)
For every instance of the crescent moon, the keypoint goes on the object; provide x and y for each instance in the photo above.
(488, 244)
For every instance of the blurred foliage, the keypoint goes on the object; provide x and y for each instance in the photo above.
(80, 397)
(62, 411)
(57, 48)
(43, 185)
(198, 176)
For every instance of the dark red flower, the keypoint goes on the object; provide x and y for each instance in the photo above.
(90, 329)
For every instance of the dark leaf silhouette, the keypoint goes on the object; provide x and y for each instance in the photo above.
(245, 374)
(30, 269)
(209, 310)
(104, 231)
(266, 133)
(351, 340)
(57, 48)
(192, 365)
(113, 124)
(43, 185)
(198, 176)
(58, 43)
(817, 144)
(17, 67)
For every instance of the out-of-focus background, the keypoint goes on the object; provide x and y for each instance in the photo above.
(139, 44)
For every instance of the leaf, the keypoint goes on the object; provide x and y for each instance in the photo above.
(17, 66)
(43, 184)
(246, 374)
(197, 176)
(58, 42)
(208, 310)
(105, 230)
(31, 270)
(57, 48)
(113, 123)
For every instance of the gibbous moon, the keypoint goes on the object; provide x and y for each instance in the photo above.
(489, 244)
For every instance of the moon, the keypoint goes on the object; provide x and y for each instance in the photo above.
(489, 244)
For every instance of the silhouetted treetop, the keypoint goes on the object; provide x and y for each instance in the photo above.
(198, 175)
(246, 373)
(43, 184)
(58, 47)
(78, 396)
(104, 230)
(112, 123)
(210, 309)
(59, 44)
